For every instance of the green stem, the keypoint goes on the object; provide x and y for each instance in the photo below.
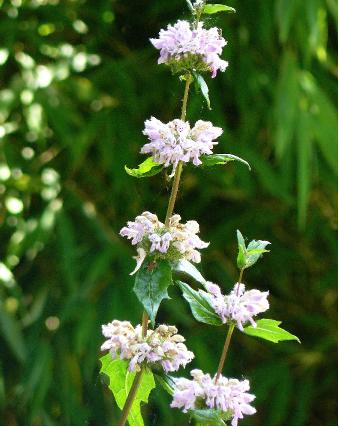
(177, 175)
(224, 352)
(130, 398)
(228, 339)
(137, 379)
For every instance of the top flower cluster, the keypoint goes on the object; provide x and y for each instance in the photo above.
(187, 47)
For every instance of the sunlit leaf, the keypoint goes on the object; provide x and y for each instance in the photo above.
(202, 86)
(120, 383)
(268, 329)
(221, 159)
(210, 9)
(145, 169)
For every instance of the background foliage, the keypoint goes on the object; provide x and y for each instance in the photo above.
(77, 80)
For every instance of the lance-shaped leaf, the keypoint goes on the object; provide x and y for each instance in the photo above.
(151, 283)
(247, 256)
(186, 268)
(145, 169)
(167, 382)
(222, 159)
(120, 383)
(210, 9)
(202, 86)
(200, 304)
(268, 329)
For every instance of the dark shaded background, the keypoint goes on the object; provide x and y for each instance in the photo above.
(77, 81)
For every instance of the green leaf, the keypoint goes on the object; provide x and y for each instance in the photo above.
(200, 304)
(190, 6)
(120, 383)
(145, 169)
(151, 283)
(209, 9)
(11, 331)
(209, 417)
(202, 85)
(268, 329)
(241, 259)
(250, 255)
(166, 382)
(221, 159)
(186, 268)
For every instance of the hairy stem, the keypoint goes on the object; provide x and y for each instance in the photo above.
(224, 352)
(130, 398)
(177, 176)
(137, 379)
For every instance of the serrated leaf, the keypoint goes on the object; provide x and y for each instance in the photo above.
(120, 383)
(202, 85)
(268, 329)
(200, 304)
(247, 256)
(151, 283)
(221, 159)
(254, 251)
(210, 9)
(145, 169)
(186, 268)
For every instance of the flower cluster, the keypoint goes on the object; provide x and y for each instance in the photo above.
(228, 395)
(161, 347)
(185, 47)
(177, 241)
(239, 306)
(176, 141)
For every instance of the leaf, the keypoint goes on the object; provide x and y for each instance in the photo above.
(190, 6)
(200, 304)
(209, 9)
(145, 169)
(151, 283)
(250, 255)
(221, 159)
(202, 85)
(167, 382)
(120, 383)
(254, 251)
(268, 329)
(11, 332)
(209, 417)
(241, 259)
(187, 268)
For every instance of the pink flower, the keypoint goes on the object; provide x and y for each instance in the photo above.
(227, 394)
(183, 46)
(161, 347)
(176, 141)
(239, 306)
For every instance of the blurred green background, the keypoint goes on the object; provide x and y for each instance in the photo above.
(77, 80)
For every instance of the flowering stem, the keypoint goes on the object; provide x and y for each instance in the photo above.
(177, 176)
(224, 351)
(137, 379)
(130, 398)
(228, 338)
